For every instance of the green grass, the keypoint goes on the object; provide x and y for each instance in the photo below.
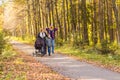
(11, 75)
(28, 40)
(7, 55)
(90, 55)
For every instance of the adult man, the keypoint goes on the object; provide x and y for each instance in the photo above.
(52, 31)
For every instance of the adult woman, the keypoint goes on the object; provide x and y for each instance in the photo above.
(42, 36)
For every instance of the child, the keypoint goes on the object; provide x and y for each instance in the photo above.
(49, 43)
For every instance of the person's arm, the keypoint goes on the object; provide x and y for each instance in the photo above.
(47, 29)
(55, 29)
(38, 36)
(46, 34)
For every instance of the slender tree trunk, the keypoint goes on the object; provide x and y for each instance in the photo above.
(52, 7)
(101, 20)
(109, 21)
(68, 22)
(65, 28)
(60, 27)
(29, 18)
(79, 21)
(95, 22)
(84, 22)
(105, 20)
(34, 18)
(39, 14)
(49, 8)
(116, 17)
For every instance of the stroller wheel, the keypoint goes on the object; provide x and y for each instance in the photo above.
(36, 52)
(33, 53)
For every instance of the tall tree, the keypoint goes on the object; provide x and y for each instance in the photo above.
(58, 20)
(116, 17)
(84, 22)
(65, 27)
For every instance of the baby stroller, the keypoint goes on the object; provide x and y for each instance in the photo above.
(39, 49)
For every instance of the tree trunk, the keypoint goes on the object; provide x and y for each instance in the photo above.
(84, 23)
(101, 20)
(65, 28)
(58, 20)
(109, 21)
(116, 18)
(95, 22)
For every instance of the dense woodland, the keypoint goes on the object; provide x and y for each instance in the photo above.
(79, 22)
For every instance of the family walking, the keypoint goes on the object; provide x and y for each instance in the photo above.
(46, 40)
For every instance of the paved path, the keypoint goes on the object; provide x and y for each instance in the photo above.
(69, 67)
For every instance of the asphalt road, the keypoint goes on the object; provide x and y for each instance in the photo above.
(70, 67)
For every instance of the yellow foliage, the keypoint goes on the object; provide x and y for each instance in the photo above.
(19, 61)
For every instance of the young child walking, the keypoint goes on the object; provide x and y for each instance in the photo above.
(49, 43)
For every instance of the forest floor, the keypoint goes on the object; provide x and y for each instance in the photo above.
(24, 67)
(70, 67)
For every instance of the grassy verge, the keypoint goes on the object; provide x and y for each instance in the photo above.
(27, 40)
(111, 62)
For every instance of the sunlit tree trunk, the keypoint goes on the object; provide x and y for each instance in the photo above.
(110, 21)
(84, 22)
(65, 27)
(68, 21)
(79, 18)
(28, 18)
(58, 20)
(94, 31)
(116, 18)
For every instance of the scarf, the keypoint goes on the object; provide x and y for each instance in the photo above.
(42, 34)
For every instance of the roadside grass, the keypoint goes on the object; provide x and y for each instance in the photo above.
(27, 40)
(92, 56)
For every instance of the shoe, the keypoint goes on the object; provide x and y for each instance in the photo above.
(42, 55)
(49, 54)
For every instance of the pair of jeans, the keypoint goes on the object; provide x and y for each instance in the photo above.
(49, 50)
(53, 44)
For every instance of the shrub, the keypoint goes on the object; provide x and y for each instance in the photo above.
(107, 47)
(2, 42)
(59, 42)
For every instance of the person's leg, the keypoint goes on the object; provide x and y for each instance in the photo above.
(53, 44)
(45, 49)
(49, 50)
